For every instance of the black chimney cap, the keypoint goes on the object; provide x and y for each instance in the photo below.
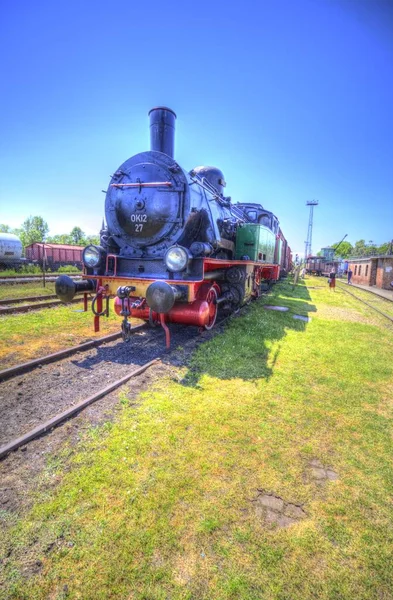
(162, 108)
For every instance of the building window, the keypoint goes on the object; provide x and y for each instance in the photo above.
(360, 269)
(356, 268)
(366, 270)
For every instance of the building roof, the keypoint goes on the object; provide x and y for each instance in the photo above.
(367, 258)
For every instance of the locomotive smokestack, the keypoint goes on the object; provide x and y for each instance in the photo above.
(162, 130)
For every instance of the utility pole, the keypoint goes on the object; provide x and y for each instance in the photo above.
(308, 250)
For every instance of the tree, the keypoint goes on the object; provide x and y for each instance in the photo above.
(363, 248)
(34, 229)
(386, 248)
(344, 250)
(77, 236)
(59, 238)
(5, 228)
(360, 248)
(93, 239)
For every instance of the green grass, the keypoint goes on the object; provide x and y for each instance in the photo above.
(24, 336)
(161, 503)
(37, 270)
(68, 269)
(24, 270)
(24, 290)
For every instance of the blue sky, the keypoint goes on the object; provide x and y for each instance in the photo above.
(293, 100)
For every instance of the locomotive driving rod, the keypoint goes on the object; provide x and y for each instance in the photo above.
(217, 274)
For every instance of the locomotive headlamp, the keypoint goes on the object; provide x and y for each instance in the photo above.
(176, 258)
(92, 256)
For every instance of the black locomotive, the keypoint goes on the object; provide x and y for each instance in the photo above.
(174, 247)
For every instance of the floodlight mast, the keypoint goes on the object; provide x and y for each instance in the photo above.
(308, 250)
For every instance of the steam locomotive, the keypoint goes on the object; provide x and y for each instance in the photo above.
(174, 248)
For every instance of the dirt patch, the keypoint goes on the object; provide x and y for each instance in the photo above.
(345, 314)
(320, 473)
(274, 510)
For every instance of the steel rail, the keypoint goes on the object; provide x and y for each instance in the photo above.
(368, 290)
(35, 276)
(60, 417)
(20, 309)
(28, 366)
(26, 299)
(26, 281)
(30, 299)
(367, 304)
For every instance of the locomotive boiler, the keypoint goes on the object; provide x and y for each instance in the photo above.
(173, 247)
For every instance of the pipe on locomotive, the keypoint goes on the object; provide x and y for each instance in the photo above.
(162, 130)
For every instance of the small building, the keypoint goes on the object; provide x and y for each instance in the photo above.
(373, 270)
(55, 255)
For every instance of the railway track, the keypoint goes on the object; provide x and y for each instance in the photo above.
(71, 411)
(56, 386)
(49, 358)
(10, 301)
(32, 276)
(20, 279)
(146, 343)
(10, 307)
(342, 287)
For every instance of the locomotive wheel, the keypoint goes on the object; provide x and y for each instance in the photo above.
(211, 299)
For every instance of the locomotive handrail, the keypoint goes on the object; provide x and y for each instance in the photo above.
(208, 187)
(114, 257)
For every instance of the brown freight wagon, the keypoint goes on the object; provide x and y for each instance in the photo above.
(286, 255)
(55, 255)
(315, 265)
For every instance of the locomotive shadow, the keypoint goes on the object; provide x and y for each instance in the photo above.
(141, 348)
(244, 351)
(297, 298)
(246, 361)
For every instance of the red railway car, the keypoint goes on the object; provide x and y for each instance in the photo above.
(55, 255)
